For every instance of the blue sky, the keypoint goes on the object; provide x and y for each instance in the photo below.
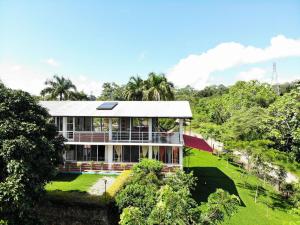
(102, 41)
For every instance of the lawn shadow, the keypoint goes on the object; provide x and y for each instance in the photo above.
(209, 179)
(65, 177)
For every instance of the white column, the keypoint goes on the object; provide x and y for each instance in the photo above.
(65, 127)
(130, 129)
(150, 152)
(180, 130)
(110, 129)
(181, 157)
(150, 129)
(109, 155)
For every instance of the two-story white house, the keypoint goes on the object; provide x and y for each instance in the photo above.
(102, 135)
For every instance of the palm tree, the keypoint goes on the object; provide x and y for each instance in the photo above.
(135, 89)
(58, 87)
(158, 88)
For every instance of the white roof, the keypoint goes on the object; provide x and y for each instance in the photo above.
(171, 109)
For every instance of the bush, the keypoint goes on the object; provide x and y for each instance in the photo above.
(132, 216)
(137, 195)
(147, 166)
(118, 184)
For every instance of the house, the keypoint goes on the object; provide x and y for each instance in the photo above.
(104, 135)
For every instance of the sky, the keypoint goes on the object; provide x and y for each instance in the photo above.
(195, 43)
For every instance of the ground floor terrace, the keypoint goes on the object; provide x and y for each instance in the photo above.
(95, 157)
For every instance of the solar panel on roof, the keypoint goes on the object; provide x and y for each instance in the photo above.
(107, 106)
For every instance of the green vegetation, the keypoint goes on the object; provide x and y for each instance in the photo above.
(72, 189)
(30, 151)
(151, 198)
(118, 183)
(73, 182)
(213, 172)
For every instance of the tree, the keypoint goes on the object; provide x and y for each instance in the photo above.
(219, 205)
(58, 87)
(158, 88)
(78, 96)
(132, 216)
(134, 90)
(137, 195)
(174, 207)
(283, 123)
(29, 154)
(112, 91)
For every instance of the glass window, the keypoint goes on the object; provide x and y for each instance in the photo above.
(70, 152)
(94, 149)
(166, 154)
(80, 153)
(101, 153)
(59, 123)
(134, 153)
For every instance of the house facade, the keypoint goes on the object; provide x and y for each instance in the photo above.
(102, 135)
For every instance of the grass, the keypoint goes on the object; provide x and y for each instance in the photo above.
(73, 182)
(72, 189)
(213, 173)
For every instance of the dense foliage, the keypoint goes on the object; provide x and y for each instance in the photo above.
(29, 153)
(151, 198)
(60, 88)
(251, 111)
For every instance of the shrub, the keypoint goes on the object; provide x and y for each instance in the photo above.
(132, 216)
(118, 184)
(147, 166)
(137, 195)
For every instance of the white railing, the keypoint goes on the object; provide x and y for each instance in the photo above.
(122, 136)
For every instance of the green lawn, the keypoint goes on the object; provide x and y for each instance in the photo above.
(213, 173)
(73, 182)
(72, 189)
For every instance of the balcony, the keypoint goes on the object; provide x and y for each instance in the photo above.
(122, 137)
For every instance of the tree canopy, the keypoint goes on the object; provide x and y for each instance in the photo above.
(29, 154)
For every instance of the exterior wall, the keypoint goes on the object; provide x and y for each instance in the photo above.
(91, 138)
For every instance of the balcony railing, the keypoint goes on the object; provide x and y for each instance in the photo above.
(125, 137)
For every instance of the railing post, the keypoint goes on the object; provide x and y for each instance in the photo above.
(150, 129)
(180, 130)
(110, 129)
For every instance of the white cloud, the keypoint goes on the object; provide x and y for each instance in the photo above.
(51, 62)
(21, 77)
(265, 75)
(255, 73)
(196, 70)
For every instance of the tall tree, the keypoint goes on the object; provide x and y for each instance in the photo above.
(283, 123)
(135, 89)
(158, 88)
(112, 91)
(29, 154)
(58, 87)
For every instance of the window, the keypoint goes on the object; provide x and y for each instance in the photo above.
(71, 152)
(129, 153)
(70, 127)
(107, 106)
(83, 123)
(85, 152)
(166, 154)
(59, 123)
(100, 124)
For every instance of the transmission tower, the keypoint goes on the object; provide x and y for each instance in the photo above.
(275, 79)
